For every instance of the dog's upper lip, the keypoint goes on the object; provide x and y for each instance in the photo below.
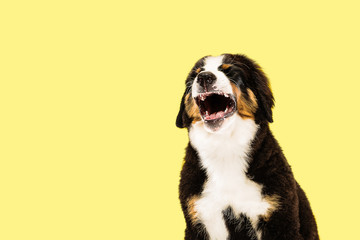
(203, 95)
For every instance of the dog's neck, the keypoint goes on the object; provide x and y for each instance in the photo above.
(226, 145)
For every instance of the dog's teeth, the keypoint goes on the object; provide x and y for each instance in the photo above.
(226, 109)
(207, 113)
(226, 95)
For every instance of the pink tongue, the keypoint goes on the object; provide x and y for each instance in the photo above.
(215, 115)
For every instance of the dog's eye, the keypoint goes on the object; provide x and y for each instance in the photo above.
(226, 68)
(233, 72)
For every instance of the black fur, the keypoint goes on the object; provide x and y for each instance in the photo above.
(293, 220)
(182, 118)
(248, 74)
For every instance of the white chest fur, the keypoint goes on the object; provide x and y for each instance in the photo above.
(224, 156)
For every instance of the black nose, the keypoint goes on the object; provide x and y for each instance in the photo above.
(206, 79)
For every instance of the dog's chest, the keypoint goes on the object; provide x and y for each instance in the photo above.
(224, 157)
(226, 188)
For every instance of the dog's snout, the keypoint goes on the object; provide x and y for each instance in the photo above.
(206, 79)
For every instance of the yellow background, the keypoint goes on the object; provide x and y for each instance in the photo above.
(90, 91)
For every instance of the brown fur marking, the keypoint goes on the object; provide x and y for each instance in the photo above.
(191, 209)
(246, 107)
(274, 202)
(192, 109)
(225, 66)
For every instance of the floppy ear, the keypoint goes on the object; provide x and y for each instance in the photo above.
(182, 118)
(264, 95)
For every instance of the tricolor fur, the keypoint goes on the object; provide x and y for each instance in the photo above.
(236, 182)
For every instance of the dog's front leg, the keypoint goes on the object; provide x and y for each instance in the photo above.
(192, 180)
(284, 222)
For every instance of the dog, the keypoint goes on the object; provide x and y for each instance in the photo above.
(236, 182)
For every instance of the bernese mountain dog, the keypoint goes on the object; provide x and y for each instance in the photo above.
(235, 181)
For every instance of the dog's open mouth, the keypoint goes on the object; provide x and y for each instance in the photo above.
(215, 105)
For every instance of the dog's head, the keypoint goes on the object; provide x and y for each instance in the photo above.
(217, 88)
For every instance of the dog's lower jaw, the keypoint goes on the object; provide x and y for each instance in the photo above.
(218, 125)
